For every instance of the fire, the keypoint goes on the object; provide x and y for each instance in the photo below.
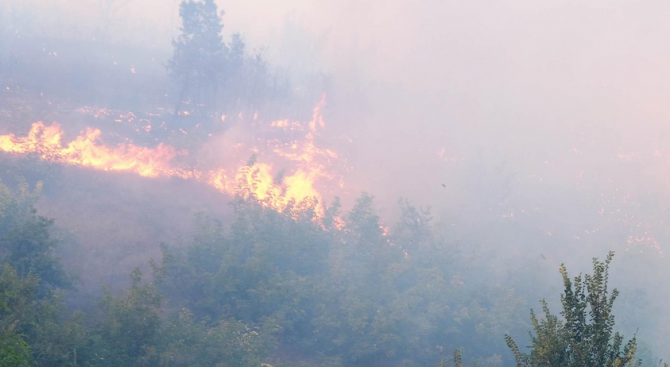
(300, 186)
(259, 179)
(86, 151)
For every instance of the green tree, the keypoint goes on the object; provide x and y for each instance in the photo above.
(27, 319)
(189, 343)
(15, 300)
(31, 307)
(199, 53)
(26, 241)
(585, 337)
(14, 351)
(128, 327)
(340, 295)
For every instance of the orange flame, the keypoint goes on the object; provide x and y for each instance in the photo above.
(87, 150)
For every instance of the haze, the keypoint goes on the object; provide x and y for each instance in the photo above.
(536, 131)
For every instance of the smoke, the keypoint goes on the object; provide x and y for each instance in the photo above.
(533, 128)
(537, 130)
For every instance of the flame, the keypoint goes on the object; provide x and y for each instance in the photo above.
(86, 151)
(300, 186)
(258, 179)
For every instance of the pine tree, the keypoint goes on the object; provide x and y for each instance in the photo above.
(199, 55)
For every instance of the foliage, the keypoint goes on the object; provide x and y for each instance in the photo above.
(213, 76)
(199, 51)
(585, 338)
(360, 294)
(25, 237)
(127, 327)
(26, 318)
(14, 352)
(229, 343)
(291, 287)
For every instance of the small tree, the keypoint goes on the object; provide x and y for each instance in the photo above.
(26, 241)
(128, 327)
(585, 338)
(16, 298)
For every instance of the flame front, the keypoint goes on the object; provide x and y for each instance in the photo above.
(88, 150)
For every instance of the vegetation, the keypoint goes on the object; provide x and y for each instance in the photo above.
(211, 75)
(127, 328)
(25, 240)
(586, 336)
(280, 288)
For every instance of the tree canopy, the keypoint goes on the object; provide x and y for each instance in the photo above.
(585, 336)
